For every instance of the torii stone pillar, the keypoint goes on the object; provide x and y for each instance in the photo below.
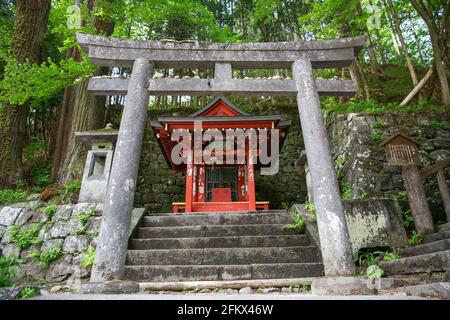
(334, 236)
(113, 238)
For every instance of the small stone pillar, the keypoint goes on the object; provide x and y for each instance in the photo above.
(333, 233)
(113, 237)
(98, 163)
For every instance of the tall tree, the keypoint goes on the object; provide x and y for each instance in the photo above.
(30, 26)
(404, 46)
(79, 111)
(436, 15)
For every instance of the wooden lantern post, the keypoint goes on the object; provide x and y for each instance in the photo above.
(403, 151)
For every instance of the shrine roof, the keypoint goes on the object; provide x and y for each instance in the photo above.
(219, 109)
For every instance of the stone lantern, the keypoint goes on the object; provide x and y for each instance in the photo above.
(98, 163)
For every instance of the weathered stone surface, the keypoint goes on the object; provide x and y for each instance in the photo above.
(437, 261)
(25, 254)
(439, 290)
(374, 223)
(51, 244)
(11, 293)
(439, 155)
(34, 270)
(63, 213)
(82, 207)
(83, 271)
(61, 269)
(119, 199)
(74, 244)
(342, 286)
(59, 232)
(62, 229)
(109, 51)
(24, 216)
(8, 215)
(93, 223)
(11, 250)
(245, 290)
(109, 287)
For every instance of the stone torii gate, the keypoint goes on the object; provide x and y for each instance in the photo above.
(144, 56)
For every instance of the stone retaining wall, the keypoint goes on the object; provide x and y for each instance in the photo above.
(361, 161)
(67, 234)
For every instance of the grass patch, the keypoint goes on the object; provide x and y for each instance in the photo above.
(24, 238)
(9, 196)
(88, 257)
(8, 270)
(297, 224)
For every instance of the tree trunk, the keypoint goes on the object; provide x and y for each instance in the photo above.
(31, 23)
(79, 112)
(409, 61)
(355, 75)
(438, 42)
(417, 200)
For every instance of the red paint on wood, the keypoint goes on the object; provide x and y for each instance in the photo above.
(221, 195)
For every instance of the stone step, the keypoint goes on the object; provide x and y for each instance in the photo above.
(159, 273)
(431, 262)
(223, 256)
(217, 219)
(221, 242)
(440, 245)
(214, 231)
(441, 235)
(443, 227)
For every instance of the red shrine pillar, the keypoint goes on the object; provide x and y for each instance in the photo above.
(189, 179)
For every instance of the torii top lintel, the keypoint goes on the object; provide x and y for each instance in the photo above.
(271, 55)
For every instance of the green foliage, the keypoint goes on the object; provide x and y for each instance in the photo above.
(69, 189)
(9, 196)
(81, 230)
(88, 257)
(298, 223)
(378, 125)
(40, 176)
(367, 258)
(311, 209)
(24, 238)
(390, 256)
(27, 293)
(374, 272)
(93, 233)
(39, 82)
(402, 195)
(377, 136)
(416, 239)
(50, 210)
(8, 270)
(408, 219)
(46, 257)
(437, 124)
(379, 108)
(84, 216)
(347, 192)
(339, 162)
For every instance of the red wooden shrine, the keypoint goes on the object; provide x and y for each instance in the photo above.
(217, 187)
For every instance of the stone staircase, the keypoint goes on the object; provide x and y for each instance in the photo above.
(432, 256)
(220, 246)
